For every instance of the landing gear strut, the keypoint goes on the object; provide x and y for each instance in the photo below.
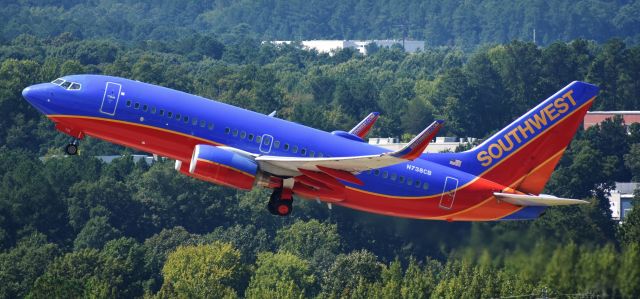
(72, 148)
(280, 202)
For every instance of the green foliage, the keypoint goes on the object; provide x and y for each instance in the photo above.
(95, 234)
(76, 227)
(20, 266)
(312, 240)
(201, 271)
(281, 275)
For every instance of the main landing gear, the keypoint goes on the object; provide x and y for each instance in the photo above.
(280, 202)
(72, 148)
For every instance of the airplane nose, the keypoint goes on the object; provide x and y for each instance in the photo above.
(34, 93)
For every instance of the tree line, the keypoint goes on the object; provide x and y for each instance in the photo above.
(77, 227)
(461, 23)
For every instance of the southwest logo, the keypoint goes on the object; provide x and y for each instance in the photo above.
(538, 122)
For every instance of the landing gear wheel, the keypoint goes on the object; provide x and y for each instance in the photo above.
(71, 149)
(278, 205)
(283, 208)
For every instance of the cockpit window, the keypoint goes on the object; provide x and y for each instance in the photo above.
(74, 86)
(57, 81)
(66, 84)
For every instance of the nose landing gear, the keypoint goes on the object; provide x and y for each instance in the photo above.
(72, 148)
(281, 202)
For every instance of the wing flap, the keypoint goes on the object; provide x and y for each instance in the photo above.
(537, 200)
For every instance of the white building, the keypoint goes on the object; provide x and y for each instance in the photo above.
(621, 198)
(441, 144)
(329, 46)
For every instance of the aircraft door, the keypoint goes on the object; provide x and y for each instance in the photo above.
(448, 193)
(266, 143)
(110, 98)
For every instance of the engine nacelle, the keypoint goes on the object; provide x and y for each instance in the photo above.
(223, 167)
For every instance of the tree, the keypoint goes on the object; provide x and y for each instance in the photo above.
(630, 227)
(84, 273)
(312, 240)
(202, 271)
(20, 266)
(281, 275)
(95, 234)
(348, 271)
(629, 272)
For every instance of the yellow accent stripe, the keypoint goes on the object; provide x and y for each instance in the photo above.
(134, 124)
(510, 186)
(484, 172)
(226, 166)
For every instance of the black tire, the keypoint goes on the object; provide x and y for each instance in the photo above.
(71, 149)
(271, 208)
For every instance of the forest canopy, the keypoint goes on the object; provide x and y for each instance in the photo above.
(79, 227)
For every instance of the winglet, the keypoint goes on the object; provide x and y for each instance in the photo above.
(364, 126)
(416, 146)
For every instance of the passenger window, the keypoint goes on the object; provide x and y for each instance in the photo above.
(385, 174)
(210, 126)
(169, 114)
(227, 130)
(235, 132)
(376, 172)
(243, 134)
(276, 144)
(153, 110)
(250, 137)
(161, 112)
(258, 139)
(178, 116)
(417, 184)
(294, 149)
(303, 151)
(194, 121)
(267, 141)
(401, 179)
(203, 123)
(312, 154)
(145, 108)
(393, 176)
(409, 181)
(128, 103)
(320, 155)
(136, 105)
(425, 186)
(285, 147)
(185, 119)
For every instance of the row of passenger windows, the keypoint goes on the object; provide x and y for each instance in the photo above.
(234, 132)
(394, 177)
(194, 121)
(276, 144)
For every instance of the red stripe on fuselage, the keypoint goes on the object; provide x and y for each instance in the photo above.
(164, 142)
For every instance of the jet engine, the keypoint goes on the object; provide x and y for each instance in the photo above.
(223, 167)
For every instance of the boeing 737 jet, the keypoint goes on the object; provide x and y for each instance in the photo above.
(500, 179)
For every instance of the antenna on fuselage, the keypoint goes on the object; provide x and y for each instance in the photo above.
(273, 114)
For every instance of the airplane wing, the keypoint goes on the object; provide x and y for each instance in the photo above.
(363, 127)
(536, 200)
(353, 164)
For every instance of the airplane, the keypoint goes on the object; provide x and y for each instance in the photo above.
(500, 179)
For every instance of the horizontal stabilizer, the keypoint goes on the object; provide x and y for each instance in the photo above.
(536, 200)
